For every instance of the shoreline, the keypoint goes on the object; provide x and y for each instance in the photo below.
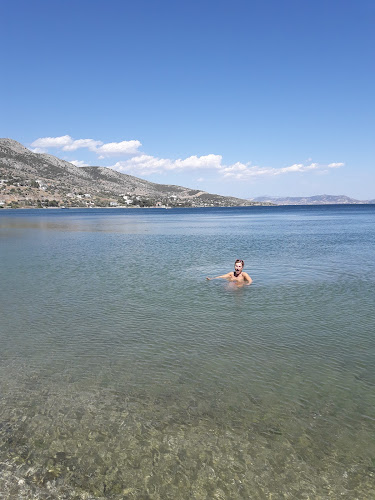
(195, 207)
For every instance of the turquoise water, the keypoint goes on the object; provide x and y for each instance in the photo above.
(125, 374)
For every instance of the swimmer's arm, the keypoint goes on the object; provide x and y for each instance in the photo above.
(225, 276)
(247, 278)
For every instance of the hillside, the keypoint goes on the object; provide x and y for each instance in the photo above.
(324, 199)
(30, 179)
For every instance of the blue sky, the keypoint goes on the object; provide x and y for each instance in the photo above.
(242, 98)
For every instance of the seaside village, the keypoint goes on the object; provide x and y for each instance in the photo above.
(36, 193)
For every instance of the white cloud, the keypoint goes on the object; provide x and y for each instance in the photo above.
(246, 171)
(52, 142)
(145, 164)
(67, 143)
(139, 163)
(193, 162)
(119, 148)
(83, 143)
(336, 165)
(79, 163)
(297, 167)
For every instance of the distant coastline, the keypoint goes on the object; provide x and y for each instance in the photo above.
(8, 208)
(324, 199)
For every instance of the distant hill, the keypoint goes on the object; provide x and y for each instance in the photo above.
(33, 179)
(324, 199)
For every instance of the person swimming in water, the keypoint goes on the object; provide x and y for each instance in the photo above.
(238, 275)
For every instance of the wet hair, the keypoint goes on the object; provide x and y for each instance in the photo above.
(242, 262)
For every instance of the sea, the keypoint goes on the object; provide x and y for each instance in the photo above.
(125, 374)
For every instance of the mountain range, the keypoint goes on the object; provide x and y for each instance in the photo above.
(30, 179)
(324, 199)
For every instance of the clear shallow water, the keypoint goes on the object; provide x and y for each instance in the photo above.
(124, 374)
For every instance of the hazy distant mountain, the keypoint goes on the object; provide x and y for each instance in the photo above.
(26, 177)
(324, 199)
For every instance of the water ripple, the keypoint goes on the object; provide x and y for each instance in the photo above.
(124, 374)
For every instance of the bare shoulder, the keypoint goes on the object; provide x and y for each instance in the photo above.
(247, 277)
